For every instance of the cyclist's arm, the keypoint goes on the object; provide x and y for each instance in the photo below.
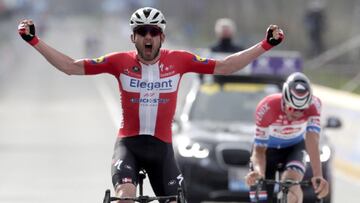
(312, 137)
(264, 116)
(59, 60)
(238, 61)
(258, 159)
(312, 148)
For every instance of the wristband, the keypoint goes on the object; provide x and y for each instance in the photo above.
(34, 41)
(266, 45)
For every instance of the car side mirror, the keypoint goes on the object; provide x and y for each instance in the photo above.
(333, 122)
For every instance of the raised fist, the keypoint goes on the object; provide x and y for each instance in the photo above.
(26, 30)
(274, 36)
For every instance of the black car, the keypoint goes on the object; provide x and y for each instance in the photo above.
(214, 134)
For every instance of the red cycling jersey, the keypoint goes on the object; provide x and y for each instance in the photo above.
(148, 92)
(275, 130)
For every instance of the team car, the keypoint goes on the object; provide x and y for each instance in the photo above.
(214, 132)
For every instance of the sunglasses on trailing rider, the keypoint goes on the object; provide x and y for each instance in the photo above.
(144, 30)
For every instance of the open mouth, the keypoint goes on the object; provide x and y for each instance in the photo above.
(148, 48)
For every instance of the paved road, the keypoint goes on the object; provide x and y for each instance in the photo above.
(57, 131)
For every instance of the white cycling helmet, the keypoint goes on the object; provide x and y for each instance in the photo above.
(147, 16)
(297, 92)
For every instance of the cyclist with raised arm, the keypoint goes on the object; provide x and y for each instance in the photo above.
(148, 80)
(287, 126)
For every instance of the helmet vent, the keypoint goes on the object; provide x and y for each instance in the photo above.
(147, 12)
(300, 87)
(156, 15)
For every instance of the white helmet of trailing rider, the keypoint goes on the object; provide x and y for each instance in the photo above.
(147, 16)
(297, 92)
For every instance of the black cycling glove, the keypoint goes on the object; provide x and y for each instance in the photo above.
(31, 38)
(269, 41)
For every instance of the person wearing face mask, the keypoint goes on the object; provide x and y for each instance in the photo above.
(225, 30)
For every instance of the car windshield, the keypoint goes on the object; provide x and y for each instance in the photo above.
(231, 102)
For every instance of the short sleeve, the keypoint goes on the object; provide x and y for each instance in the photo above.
(196, 64)
(103, 64)
(314, 116)
(261, 136)
(263, 118)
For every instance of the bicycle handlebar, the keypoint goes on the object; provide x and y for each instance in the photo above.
(144, 199)
(286, 184)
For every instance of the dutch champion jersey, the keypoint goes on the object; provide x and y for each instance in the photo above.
(148, 92)
(274, 130)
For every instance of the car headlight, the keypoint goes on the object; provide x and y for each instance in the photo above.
(187, 148)
(325, 154)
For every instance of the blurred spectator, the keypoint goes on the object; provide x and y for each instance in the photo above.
(225, 30)
(315, 25)
(7, 8)
(2, 9)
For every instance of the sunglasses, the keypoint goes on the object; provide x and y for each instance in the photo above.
(144, 30)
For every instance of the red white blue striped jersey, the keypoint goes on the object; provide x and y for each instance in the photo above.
(148, 92)
(275, 130)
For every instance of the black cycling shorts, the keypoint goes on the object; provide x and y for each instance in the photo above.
(292, 157)
(132, 154)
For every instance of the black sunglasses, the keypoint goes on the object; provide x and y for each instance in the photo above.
(144, 30)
